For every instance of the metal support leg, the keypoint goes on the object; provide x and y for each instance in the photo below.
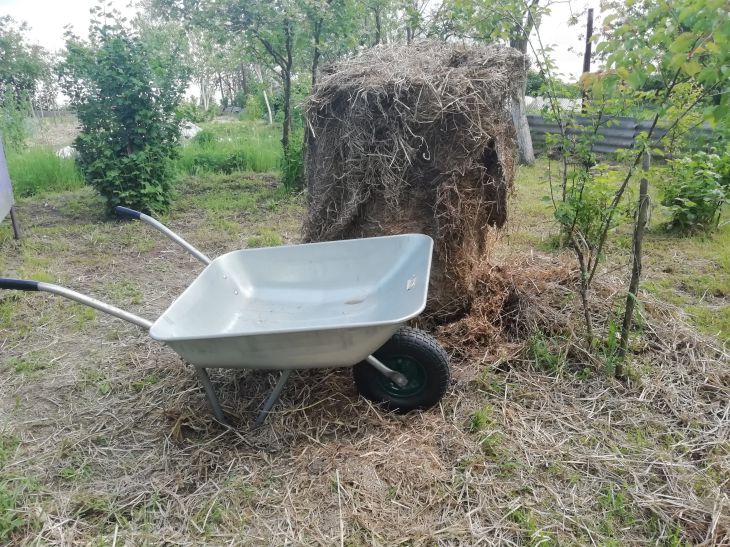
(271, 401)
(215, 406)
(15, 223)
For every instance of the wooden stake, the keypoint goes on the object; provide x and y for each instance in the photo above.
(633, 295)
(587, 58)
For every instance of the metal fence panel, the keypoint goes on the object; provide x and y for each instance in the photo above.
(615, 134)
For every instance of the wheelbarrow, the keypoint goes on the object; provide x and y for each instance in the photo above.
(316, 305)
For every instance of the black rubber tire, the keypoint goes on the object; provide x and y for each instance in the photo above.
(417, 355)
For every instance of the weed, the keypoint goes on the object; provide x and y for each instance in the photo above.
(532, 533)
(481, 419)
(264, 237)
(11, 490)
(146, 381)
(82, 315)
(8, 445)
(74, 473)
(226, 148)
(616, 513)
(124, 291)
(28, 365)
(546, 354)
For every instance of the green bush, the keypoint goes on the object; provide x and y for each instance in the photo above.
(13, 115)
(696, 189)
(192, 112)
(39, 170)
(253, 109)
(126, 107)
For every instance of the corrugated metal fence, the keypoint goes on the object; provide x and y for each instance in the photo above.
(616, 133)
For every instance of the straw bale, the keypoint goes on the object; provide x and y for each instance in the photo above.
(415, 139)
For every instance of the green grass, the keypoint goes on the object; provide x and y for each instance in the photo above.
(39, 170)
(230, 147)
(11, 490)
(692, 272)
(264, 237)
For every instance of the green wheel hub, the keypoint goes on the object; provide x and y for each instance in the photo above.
(411, 369)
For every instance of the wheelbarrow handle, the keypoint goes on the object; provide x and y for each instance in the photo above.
(131, 213)
(24, 285)
(127, 212)
(18, 284)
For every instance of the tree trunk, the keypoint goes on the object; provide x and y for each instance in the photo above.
(286, 127)
(522, 128)
(268, 108)
(244, 79)
(520, 36)
(377, 27)
(317, 52)
(286, 77)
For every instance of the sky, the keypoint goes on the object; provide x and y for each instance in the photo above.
(47, 19)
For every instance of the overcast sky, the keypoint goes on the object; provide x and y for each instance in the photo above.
(47, 19)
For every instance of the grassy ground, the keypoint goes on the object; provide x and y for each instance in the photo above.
(224, 146)
(231, 146)
(691, 272)
(105, 436)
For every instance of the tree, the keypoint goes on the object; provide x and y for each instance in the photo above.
(126, 103)
(333, 26)
(23, 70)
(684, 44)
(511, 21)
(21, 64)
(664, 43)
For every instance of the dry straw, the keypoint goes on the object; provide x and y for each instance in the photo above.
(415, 139)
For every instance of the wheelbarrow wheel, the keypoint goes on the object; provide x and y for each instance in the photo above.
(416, 355)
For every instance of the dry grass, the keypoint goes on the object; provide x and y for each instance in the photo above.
(534, 444)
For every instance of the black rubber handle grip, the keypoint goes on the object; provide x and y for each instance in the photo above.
(18, 284)
(125, 212)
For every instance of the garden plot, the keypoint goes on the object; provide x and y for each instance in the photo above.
(106, 436)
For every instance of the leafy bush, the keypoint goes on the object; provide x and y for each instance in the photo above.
(192, 112)
(39, 170)
(253, 110)
(13, 114)
(126, 105)
(587, 206)
(697, 187)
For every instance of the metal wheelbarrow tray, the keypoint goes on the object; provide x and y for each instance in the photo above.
(317, 305)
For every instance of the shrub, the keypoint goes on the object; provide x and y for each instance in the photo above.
(697, 187)
(192, 112)
(253, 109)
(13, 114)
(126, 107)
(39, 170)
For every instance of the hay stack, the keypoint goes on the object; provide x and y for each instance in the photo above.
(415, 139)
